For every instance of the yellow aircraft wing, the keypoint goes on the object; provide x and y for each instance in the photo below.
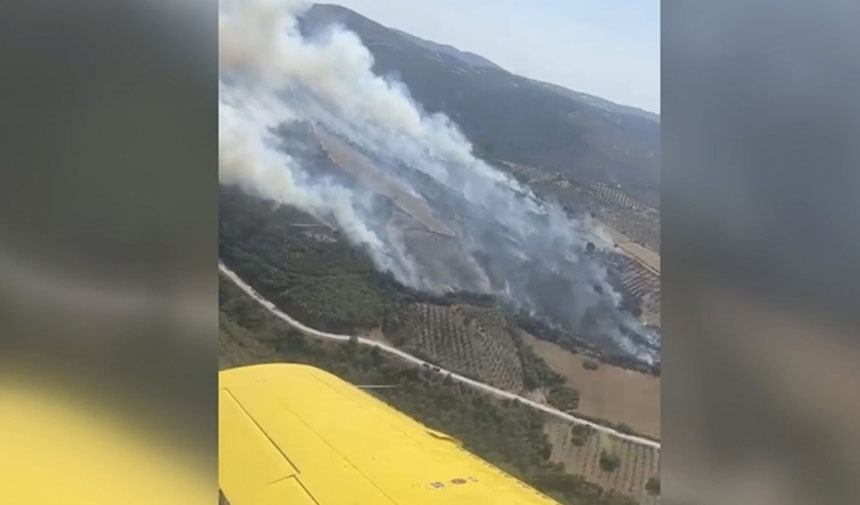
(294, 434)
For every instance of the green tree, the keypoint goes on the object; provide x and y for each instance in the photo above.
(579, 434)
(653, 485)
(609, 462)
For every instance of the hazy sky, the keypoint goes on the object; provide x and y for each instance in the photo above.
(608, 48)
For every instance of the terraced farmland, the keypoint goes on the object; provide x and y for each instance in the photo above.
(612, 196)
(638, 463)
(608, 202)
(642, 228)
(614, 207)
(642, 284)
(464, 338)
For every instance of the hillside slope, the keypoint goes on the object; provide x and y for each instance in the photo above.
(510, 117)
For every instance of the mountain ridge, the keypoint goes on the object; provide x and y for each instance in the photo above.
(510, 117)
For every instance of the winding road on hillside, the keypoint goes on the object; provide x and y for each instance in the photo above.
(501, 393)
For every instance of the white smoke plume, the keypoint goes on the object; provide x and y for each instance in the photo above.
(271, 75)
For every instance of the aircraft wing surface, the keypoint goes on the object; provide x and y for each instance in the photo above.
(294, 434)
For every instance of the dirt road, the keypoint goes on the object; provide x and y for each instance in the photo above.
(419, 362)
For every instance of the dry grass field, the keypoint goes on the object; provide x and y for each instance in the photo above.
(366, 171)
(611, 393)
(646, 257)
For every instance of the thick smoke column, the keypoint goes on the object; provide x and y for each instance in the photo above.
(261, 55)
(272, 75)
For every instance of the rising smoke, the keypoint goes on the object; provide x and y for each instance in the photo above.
(530, 252)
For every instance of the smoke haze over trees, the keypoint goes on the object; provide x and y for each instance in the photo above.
(284, 91)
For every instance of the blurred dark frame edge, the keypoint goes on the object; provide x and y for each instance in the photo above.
(108, 213)
(760, 245)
